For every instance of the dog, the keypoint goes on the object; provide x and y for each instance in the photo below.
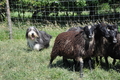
(37, 40)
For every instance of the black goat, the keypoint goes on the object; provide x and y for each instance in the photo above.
(114, 50)
(102, 43)
(74, 45)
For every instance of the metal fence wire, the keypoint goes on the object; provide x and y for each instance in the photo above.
(63, 11)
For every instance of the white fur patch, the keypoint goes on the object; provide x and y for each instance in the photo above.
(37, 47)
(89, 27)
(91, 42)
(30, 43)
(108, 29)
(66, 42)
(79, 59)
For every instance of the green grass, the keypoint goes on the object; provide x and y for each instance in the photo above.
(18, 62)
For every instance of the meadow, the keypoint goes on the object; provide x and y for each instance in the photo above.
(18, 62)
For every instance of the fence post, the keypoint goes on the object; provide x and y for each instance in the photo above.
(9, 19)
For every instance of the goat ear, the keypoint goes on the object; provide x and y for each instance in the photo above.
(84, 28)
(81, 31)
(94, 26)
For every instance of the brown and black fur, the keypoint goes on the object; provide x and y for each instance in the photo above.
(114, 49)
(103, 42)
(72, 45)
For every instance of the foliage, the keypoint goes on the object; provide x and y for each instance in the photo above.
(104, 8)
(81, 3)
(2, 10)
(56, 10)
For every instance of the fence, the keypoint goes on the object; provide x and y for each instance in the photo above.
(62, 11)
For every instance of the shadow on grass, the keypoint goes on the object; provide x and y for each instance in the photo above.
(60, 64)
(27, 50)
(69, 66)
(116, 67)
(110, 66)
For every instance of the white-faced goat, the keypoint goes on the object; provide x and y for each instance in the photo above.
(74, 45)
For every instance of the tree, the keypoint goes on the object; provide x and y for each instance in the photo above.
(9, 19)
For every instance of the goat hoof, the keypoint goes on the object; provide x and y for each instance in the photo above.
(81, 75)
(49, 66)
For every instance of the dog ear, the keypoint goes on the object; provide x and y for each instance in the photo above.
(27, 33)
(37, 31)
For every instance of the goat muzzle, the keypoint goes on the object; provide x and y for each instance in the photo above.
(114, 40)
(90, 36)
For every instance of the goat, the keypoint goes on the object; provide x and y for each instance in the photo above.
(101, 33)
(88, 31)
(103, 43)
(73, 45)
(114, 49)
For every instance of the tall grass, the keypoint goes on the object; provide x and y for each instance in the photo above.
(18, 62)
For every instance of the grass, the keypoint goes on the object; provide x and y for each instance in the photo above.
(18, 62)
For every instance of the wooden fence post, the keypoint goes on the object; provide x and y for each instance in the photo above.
(9, 19)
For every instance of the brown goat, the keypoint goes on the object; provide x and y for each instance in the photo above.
(73, 45)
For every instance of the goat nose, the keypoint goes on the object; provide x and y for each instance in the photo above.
(90, 36)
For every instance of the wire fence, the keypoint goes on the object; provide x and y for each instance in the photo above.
(62, 11)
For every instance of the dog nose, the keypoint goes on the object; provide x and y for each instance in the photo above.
(32, 34)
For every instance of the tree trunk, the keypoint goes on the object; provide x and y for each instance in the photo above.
(9, 19)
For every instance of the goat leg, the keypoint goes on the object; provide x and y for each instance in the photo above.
(106, 60)
(89, 62)
(114, 60)
(75, 65)
(51, 60)
(81, 69)
(53, 56)
(50, 64)
(81, 66)
(97, 61)
(65, 62)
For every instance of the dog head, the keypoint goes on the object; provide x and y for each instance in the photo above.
(32, 33)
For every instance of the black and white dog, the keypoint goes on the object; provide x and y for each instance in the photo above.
(36, 39)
